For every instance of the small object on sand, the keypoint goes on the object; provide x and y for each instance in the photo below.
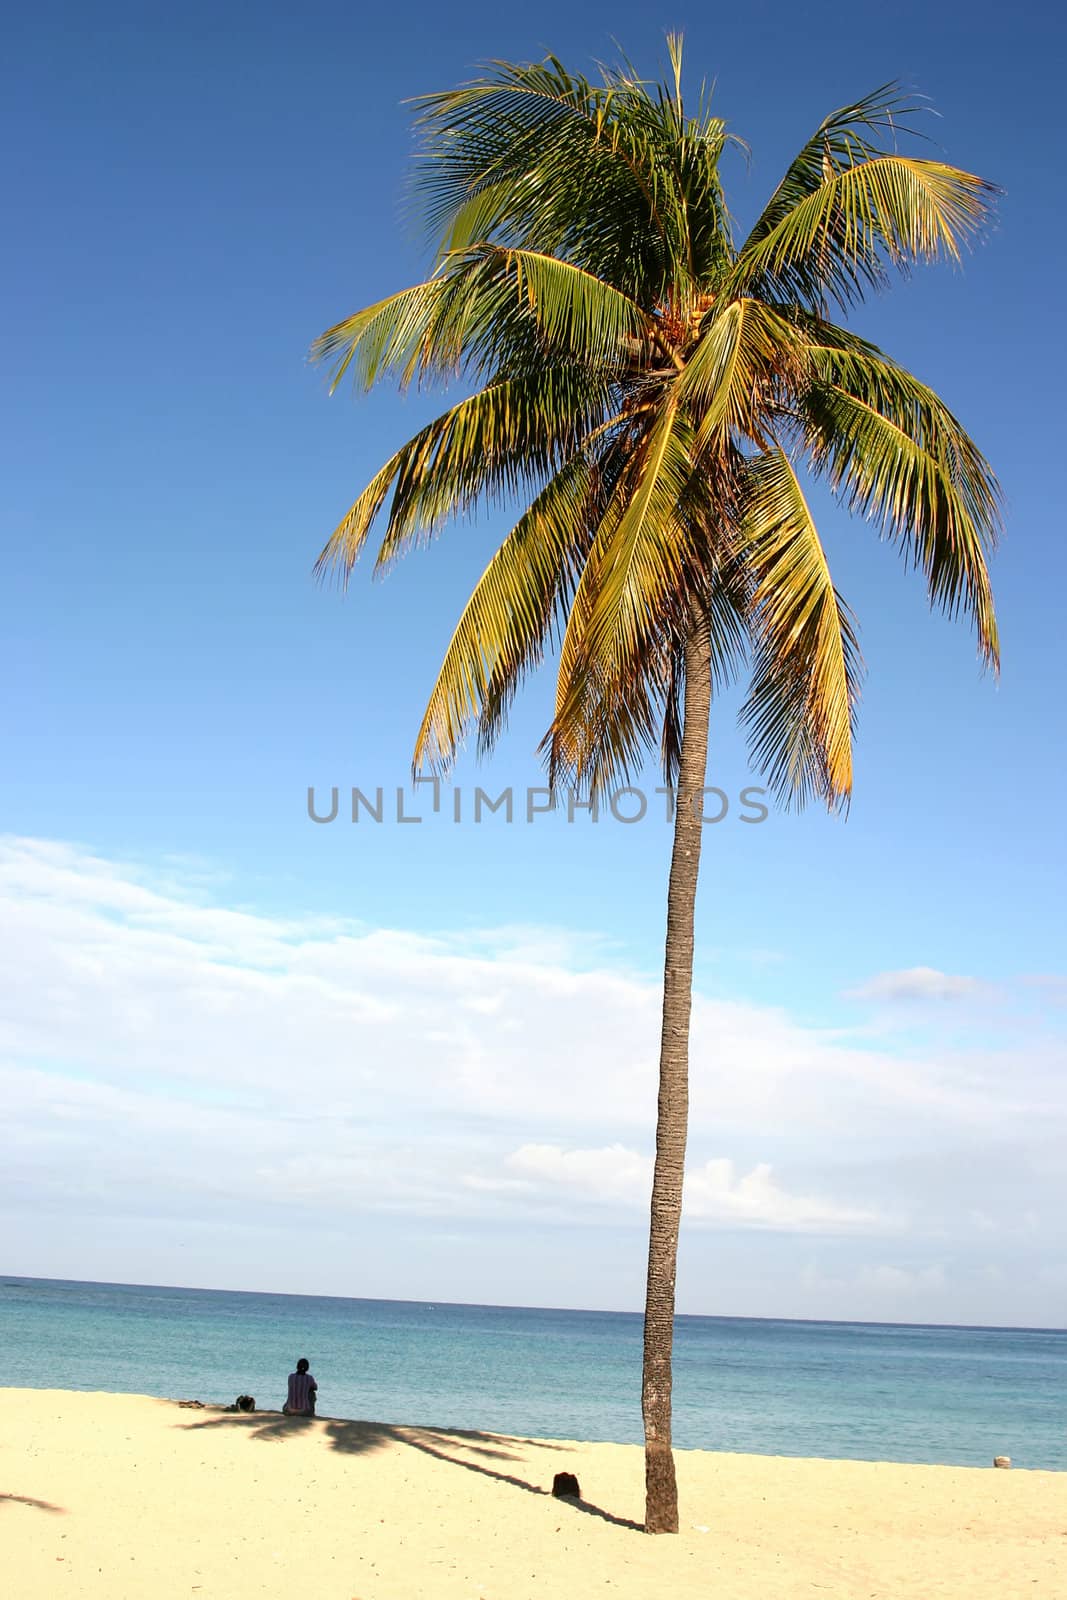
(1002, 1461)
(565, 1486)
(197, 1405)
(245, 1402)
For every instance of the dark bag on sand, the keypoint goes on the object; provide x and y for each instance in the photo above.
(565, 1486)
(244, 1402)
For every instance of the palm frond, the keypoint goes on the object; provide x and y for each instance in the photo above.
(897, 455)
(536, 157)
(848, 135)
(486, 312)
(630, 602)
(502, 631)
(389, 337)
(636, 561)
(601, 735)
(500, 443)
(745, 350)
(493, 444)
(879, 212)
(345, 545)
(607, 176)
(579, 315)
(801, 706)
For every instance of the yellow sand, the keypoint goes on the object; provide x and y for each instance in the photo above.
(128, 1498)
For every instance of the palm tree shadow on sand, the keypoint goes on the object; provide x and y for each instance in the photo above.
(28, 1500)
(361, 1438)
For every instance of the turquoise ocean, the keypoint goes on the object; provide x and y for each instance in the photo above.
(870, 1391)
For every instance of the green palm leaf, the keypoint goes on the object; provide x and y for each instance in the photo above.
(745, 352)
(491, 445)
(528, 150)
(851, 134)
(801, 706)
(579, 315)
(882, 211)
(632, 590)
(608, 175)
(897, 455)
(387, 338)
(634, 564)
(502, 631)
(488, 311)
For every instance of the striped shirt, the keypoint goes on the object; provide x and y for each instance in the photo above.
(302, 1387)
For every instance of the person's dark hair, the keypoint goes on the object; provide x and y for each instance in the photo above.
(303, 1364)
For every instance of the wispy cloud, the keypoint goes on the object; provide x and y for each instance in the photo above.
(918, 983)
(715, 1192)
(163, 1050)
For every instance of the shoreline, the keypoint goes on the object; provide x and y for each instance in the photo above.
(460, 1431)
(125, 1495)
(827, 1391)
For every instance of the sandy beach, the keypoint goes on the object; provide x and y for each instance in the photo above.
(128, 1497)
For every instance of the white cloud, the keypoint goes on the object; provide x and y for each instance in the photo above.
(714, 1192)
(135, 986)
(901, 1281)
(612, 1175)
(161, 1051)
(917, 983)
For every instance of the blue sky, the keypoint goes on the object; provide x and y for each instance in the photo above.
(195, 193)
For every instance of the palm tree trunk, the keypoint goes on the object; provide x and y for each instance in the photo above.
(661, 1490)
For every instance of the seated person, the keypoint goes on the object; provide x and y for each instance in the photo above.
(300, 1401)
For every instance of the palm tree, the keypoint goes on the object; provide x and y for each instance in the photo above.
(648, 391)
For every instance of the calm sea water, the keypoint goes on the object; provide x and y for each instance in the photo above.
(862, 1390)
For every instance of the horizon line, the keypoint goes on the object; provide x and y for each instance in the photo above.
(15, 1280)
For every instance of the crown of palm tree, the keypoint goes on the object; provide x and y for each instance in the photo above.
(649, 391)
